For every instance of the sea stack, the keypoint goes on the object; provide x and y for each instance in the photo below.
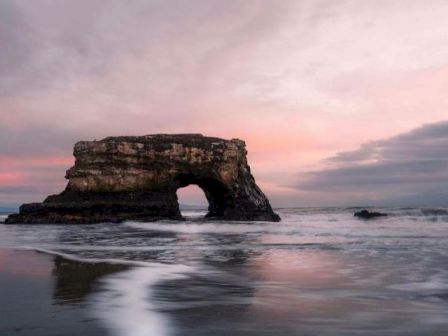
(136, 178)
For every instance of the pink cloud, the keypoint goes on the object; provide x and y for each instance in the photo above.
(10, 178)
(12, 162)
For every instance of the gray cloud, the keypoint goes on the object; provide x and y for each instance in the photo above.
(411, 168)
(54, 43)
(41, 141)
(17, 44)
(67, 67)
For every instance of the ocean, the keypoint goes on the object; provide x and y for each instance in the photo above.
(319, 271)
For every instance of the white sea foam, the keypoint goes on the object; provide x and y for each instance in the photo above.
(125, 305)
(104, 260)
(209, 227)
(436, 283)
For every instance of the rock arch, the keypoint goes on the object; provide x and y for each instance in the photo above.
(136, 178)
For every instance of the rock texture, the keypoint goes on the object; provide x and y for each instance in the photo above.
(136, 178)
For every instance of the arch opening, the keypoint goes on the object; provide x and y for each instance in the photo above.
(192, 201)
(216, 195)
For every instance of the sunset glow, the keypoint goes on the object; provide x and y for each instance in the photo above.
(300, 86)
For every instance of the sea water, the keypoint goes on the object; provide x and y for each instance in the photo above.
(320, 271)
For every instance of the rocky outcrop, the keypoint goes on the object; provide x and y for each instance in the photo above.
(136, 178)
(365, 214)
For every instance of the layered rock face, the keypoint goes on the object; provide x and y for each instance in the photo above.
(136, 178)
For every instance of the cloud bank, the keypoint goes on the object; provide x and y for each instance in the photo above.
(407, 169)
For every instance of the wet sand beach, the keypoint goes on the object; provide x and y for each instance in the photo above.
(41, 294)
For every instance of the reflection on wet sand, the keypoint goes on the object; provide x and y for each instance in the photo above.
(305, 292)
(218, 294)
(75, 280)
(36, 287)
(24, 263)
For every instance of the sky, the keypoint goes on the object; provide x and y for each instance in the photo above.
(340, 102)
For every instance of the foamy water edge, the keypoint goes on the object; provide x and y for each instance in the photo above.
(123, 303)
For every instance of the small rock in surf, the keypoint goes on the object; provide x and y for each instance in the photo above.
(365, 214)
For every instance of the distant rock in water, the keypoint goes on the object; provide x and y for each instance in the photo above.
(136, 178)
(365, 214)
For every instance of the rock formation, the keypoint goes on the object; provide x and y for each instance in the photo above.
(365, 214)
(136, 178)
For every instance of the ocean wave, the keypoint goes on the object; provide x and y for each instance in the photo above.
(436, 284)
(127, 262)
(419, 214)
(203, 227)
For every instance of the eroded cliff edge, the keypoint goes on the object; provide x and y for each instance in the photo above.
(136, 178)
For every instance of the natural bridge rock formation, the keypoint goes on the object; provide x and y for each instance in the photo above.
(136, 178)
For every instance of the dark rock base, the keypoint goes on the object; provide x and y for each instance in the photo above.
(365, 214)
(72, 207)
(87, 213)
